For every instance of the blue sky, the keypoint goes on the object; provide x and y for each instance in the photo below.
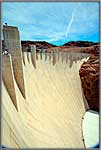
(54, 22)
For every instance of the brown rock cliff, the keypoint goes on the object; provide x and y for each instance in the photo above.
(89, 75)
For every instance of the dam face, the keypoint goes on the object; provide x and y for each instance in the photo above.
(46, 108)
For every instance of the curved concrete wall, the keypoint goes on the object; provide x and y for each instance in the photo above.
(52, 114)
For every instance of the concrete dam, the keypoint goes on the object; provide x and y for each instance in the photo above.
(42, 100)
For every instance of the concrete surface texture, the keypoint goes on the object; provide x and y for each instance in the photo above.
(51, 115)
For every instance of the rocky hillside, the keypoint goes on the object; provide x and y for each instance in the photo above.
(91, 49)
(79, 46)
(39, 44)
(89, 74)
(80, 43)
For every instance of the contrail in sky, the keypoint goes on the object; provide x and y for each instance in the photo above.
(70, 23)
